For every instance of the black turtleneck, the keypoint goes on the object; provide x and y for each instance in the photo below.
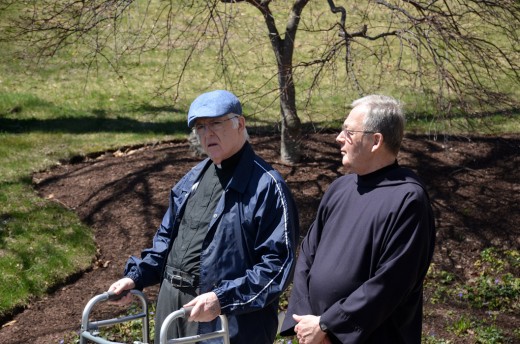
(378, 173)
(226, 169)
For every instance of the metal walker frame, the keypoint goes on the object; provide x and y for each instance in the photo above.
(185, 312)
(89, 328)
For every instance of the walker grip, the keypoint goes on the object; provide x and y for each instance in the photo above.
(115, 297)
(187, 311)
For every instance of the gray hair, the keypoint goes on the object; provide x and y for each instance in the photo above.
(236, 122)
(385, 115)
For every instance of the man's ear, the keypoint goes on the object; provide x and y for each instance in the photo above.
(241, 122)
(378, 141)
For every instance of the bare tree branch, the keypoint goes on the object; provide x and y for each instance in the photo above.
(446, 48)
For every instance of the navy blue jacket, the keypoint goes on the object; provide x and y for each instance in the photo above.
(248, 255)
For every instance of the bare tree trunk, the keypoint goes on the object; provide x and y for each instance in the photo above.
(290, 150)
(283, 49)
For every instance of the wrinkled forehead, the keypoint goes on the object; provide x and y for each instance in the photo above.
(355, 117)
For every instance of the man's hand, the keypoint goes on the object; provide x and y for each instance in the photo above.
(119, 286)
(206, 307)
(308, 330)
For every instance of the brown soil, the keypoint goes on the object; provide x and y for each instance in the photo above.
(473, 183)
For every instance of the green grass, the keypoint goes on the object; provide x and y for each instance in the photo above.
(63, 107)
(48, 115)
(41, 244)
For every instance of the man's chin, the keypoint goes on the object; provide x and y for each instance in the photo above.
(215, 158)
(213, 153)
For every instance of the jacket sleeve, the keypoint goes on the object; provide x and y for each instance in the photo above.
(146, 270)
(401, 268)
(270, 232)
(299, 301)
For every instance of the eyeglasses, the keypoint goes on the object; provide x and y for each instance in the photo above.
(348, 132)
(213, 126)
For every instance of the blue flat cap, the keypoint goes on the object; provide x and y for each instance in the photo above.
(213, 104)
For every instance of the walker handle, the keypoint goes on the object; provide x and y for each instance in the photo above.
(187, 311)
(112, 296)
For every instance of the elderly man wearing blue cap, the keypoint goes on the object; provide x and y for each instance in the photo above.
(226, 244)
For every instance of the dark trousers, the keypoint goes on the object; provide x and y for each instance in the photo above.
(171, 299)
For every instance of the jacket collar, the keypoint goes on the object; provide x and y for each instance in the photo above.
(243, 170)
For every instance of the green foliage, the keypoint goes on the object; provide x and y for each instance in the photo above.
(489, 335)
(129, 331)
(478, 330)
(494, 293)
(461, 325)
(495, 288)
(516, 333)
(438, 284)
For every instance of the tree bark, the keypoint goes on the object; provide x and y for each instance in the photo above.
(290, 148)
(290, 151)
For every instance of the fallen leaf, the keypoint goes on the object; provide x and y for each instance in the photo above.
(10, 323)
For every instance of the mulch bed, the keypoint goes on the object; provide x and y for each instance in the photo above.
(473, 183)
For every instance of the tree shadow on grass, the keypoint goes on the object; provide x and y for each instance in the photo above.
(83, 125)
(63, 120)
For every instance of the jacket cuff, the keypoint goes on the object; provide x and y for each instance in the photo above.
(134, 276)
(222, 299)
